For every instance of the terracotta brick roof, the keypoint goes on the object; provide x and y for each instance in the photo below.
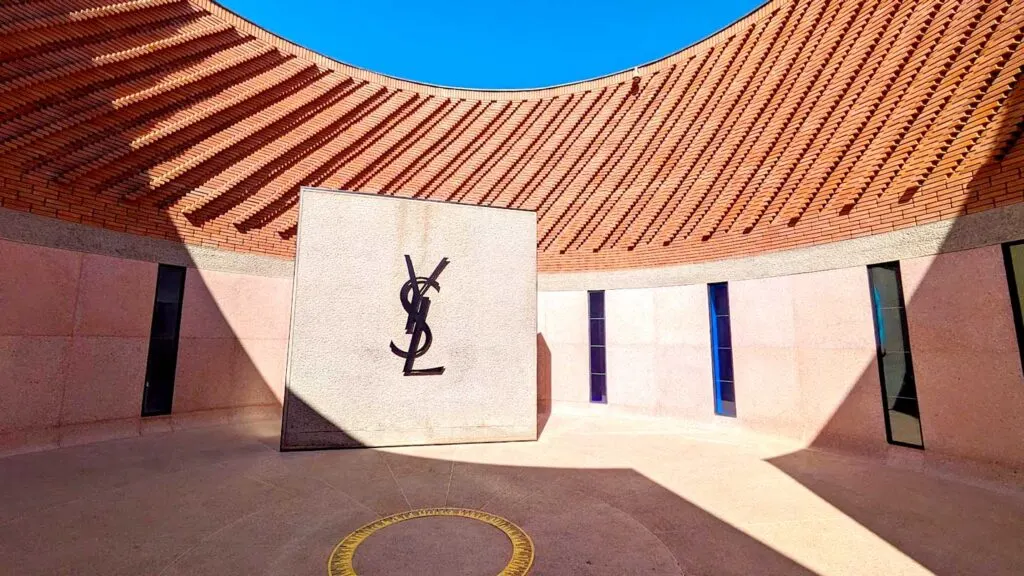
(806, 122)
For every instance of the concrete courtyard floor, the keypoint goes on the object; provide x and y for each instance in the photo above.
(597, 495)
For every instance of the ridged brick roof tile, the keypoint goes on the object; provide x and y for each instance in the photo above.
(807, 121)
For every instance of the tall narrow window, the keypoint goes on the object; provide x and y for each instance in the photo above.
(899, 392)
(1013, 256)
(163, 341)
(721, 349)
(598, 381)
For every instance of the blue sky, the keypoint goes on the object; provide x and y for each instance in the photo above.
(489, 44)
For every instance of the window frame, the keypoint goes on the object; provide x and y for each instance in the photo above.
(1015, 296)
(716, 380)
(875, 308)
(174, 346)
(591, 345)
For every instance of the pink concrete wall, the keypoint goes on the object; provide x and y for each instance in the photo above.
(804, 354)
(107, 364)
(563, 328)
(805, 358)
(74, 330)
(768, 397)
(37, 309)
(837, 369)
(74, 338)
(658, 351)
(234, 341)
(966, 361)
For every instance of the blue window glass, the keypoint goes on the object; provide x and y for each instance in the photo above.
(598, 379)
(597, 331)
(721, 349)
(895, 369)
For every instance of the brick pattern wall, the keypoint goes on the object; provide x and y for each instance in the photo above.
(807, 122)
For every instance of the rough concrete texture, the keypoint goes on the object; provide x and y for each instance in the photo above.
(597, 495)
(803, 347)
(563, 328)
(805, 357)
(52, 233)
(345, 387)
(966, 361)
(658, 351)
(74, 330)
(804, 353)
(234, 340)
(74, 336)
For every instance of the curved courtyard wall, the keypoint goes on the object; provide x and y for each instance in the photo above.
(783, 154)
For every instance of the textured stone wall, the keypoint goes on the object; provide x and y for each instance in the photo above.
(965, 355)
(659, 352)
(74, 336)
(74, 339)
(234, 339)
(805, 357)
(345, 386)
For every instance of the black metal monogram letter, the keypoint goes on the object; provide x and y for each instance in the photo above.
(416, 305)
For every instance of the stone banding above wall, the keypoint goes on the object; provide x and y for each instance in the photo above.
(972, 231)
(966, 233)
(42, 231)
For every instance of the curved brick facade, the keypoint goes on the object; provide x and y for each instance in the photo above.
(808, 121)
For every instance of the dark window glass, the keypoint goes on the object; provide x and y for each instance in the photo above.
(885, 281)
(721, 349)
(163, 341)
(597, 332)
(165, 320)
(899, 391)
(724, 332)
(168, 284)
(598, 386)
(1013, 256)
(598, 380)
(728, 400)
(898, 376)
(597, 360)
(597, 304)
(891, 335)
(720, 298)
(725, 367)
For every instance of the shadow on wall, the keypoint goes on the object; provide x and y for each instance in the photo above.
(75, 332)
(231, 358)
(304, 428)
(969, 383)
(543, 383)
(75, 326)
(119, 167)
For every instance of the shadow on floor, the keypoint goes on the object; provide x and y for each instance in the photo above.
(946, 525)
(221, 501)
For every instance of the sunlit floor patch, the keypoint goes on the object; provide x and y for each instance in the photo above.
(448, 540)
(594, 499)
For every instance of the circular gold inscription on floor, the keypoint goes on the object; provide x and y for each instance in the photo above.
(341, 561)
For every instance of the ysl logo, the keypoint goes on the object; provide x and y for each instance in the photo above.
(416, 305)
